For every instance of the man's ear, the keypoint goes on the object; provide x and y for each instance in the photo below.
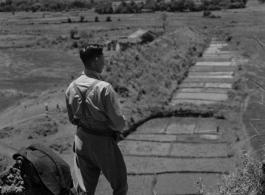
(96, 60)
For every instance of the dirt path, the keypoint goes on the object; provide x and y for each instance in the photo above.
(169, 155)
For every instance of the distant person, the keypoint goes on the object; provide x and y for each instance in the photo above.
(58, 107)
(93, 106)
(46, 108)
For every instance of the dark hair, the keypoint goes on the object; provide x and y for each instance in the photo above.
(90, 52)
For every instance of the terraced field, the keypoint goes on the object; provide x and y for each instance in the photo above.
(169, 155)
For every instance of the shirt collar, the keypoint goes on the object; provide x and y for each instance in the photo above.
(91, 73)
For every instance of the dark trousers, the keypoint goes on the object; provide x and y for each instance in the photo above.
(95, 153)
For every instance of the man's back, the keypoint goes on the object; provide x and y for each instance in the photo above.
(102, 101)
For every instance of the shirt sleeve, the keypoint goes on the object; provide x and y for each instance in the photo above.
(68, 106)
(113, 109)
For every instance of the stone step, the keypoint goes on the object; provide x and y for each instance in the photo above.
(218, 44)
(218, 51)
(190, 125)
(200, 138)
(194, 102)
(203, 90)
(151, 137)
(210, 80)
(183, 183)
(211, 76)
(218, 85)
(199, 150)
(201, 96)
(179, 150)
(179, 125)
(228, 63)
(213, 73)
(213, 69)
(154, 126)
(156, 165)
(208, 125)
(137, 185)
(188, 138)
(205, 85)
(219, 55)
(214, 59)
(158, 129)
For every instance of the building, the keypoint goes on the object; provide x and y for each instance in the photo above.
(138, 37)
(143, 35)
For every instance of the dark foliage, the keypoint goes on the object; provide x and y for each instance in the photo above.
(41, 5)
(108, 19)
(173, 6)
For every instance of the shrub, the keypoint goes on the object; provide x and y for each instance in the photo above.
(96, 19)
(73, 32)
(69, 20)
(74, 44)
(3, 162)
(108, 19)
(247, 179)
(82, 18)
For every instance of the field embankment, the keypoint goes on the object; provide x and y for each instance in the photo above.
(145, 77)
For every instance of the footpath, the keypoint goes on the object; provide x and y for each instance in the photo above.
(167, 156)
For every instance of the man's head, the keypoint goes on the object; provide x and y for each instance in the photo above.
(92, 57)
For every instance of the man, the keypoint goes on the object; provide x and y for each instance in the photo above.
(93, 106)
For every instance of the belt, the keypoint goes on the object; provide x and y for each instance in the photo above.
(100, 132)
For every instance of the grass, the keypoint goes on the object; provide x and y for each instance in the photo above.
(249, 179)
(148, 75)
(4, 162)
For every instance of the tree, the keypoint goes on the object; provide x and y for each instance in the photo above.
(178, 5)
(189, 5)
(78, 4)
(104, 7)
(96, 19)
(151, 4)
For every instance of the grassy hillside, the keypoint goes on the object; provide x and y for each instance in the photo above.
(146, 76)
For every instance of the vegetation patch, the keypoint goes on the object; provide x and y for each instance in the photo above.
(146, 76)
(6, 132)
(4, 162)
(63, 144)
(44, 128)
(247, 179)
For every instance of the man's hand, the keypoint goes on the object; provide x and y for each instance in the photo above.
(117, 136)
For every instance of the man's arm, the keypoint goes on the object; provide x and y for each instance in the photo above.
(113, 109)
(69, 108)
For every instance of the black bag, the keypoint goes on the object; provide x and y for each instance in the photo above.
(45, 170)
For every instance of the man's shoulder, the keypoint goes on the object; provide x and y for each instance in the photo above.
(103, 84)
